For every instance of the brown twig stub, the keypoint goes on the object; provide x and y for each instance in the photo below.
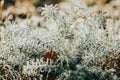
(1, 4)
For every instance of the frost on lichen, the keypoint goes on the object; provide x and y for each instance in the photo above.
(79, 37)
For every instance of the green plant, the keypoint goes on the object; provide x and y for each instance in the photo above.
(79, 37)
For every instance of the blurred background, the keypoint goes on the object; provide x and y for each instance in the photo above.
(28, 8)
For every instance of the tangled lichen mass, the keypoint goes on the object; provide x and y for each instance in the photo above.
(62, 40)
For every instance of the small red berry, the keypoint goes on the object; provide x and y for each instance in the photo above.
(50, 55)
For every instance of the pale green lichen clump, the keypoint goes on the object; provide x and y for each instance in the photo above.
(80, 37)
